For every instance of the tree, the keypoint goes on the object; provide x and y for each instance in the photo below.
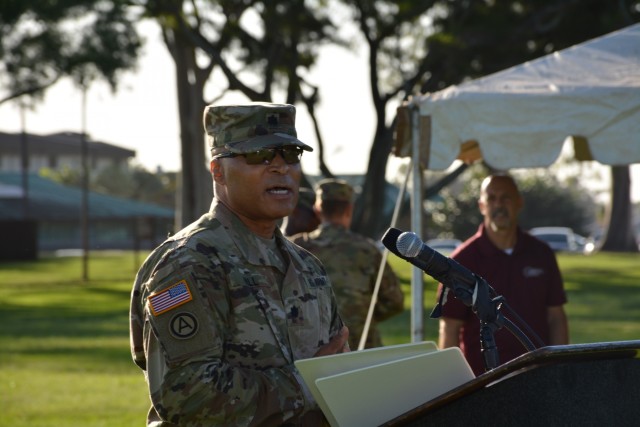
(236, 39)
(468, 40)
(547, 202)
(42, 42)
(550, 202)
(135, 182)
(393, 33)
(413, 46)
(231, 37)
(620, 235)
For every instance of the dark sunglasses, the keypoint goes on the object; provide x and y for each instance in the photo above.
(290, 154)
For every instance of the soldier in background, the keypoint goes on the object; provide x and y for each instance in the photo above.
(221, 310)
(352, 262)
(303, 218)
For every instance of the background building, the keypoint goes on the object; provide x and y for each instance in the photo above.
(57, 151)
(38, 214)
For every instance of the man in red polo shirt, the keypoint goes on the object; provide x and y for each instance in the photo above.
(518, 266)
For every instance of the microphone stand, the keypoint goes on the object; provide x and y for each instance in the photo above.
(479, 299)
(491, 319)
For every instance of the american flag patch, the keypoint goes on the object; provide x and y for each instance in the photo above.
(171, 297)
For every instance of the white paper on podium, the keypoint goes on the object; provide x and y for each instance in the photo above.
(320, 367)
(372, 394)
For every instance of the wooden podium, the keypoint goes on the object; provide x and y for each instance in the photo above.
(573, 385)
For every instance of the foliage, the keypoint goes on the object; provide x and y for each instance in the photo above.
(490, 36)
(41, 42)
(548, 202)
(237, 40)
(394, 33)
(413, 46)
(464, 40)
(137, 183)
(65, 176)
(133, 182)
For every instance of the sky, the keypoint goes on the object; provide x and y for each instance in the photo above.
(142, 115)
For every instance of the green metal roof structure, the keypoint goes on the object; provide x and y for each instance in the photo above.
(48, 200)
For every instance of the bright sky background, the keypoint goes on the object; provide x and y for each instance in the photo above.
(142, 115)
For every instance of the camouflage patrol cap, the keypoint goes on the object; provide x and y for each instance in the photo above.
(250, 127)
(335, 190)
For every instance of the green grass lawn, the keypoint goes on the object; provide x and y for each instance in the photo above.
(603, 291)
(64, 357)
(64, 346)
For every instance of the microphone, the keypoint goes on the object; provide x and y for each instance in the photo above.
(468, 287)
(408, 246)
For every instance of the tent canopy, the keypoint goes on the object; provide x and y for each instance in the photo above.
(521, 117)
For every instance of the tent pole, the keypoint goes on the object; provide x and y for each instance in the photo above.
(383, 264)
(417, 286)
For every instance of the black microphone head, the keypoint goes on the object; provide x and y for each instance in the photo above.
(390, 238)
(409, 244)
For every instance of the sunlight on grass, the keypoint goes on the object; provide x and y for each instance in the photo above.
(64, 355)
(603, 292)
(64, 397)
(64, 346)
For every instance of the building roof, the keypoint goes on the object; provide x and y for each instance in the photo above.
(67, 143)
(49, 200)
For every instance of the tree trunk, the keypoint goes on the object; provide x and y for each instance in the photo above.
(368, 217)
(195, 189)
(620, 235)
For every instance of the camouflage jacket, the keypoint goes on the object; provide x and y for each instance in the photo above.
(216, 326)
(352, 262)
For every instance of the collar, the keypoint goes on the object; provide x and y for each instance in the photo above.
(487, 246)
(243, 238)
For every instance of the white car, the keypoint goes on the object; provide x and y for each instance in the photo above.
(560, 238)
(444, 246)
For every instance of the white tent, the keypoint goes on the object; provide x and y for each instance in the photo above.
(521, 117)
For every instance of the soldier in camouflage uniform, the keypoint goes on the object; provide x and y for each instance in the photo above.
(304, 217)
(221, 310)
(352, 262)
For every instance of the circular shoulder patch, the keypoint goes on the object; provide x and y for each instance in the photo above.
(183, 325)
